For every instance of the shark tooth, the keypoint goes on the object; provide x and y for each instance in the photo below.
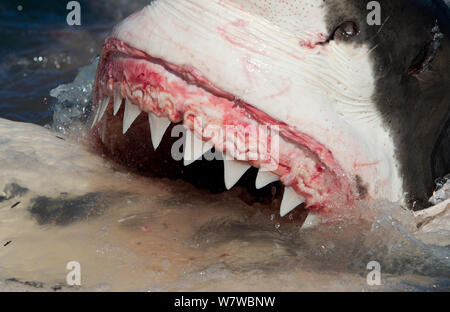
(117, 101)
(158, 126)
(130, 115)
(264, 178)
(312, 220)
(103, 107)
(290, 201)
(233, 171)
(95, 117)
(99, 109)
(194, 148)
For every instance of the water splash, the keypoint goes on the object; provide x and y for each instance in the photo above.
(74, 100)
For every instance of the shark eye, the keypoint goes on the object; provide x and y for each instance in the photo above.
(347, 29)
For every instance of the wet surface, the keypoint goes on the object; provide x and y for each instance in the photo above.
(135, 233)
(65, 210)
(11, 191)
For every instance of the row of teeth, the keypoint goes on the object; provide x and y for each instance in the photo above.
(233, 170)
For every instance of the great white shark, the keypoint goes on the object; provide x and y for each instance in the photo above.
(358, 92)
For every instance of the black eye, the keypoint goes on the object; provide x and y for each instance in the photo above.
(345, 31)
(348, 29)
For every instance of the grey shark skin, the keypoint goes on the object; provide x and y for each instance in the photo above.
(364, 109)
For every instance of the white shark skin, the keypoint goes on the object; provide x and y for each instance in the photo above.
(273, 63)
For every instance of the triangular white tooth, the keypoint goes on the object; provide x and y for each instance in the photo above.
(158, 127)
(97, 112)
(194, 148)
(264, 178)
(233, 171)
(103, 107)
(312, 220)
(290, 201)
(95, 118)
(130, 115)
(117, 101)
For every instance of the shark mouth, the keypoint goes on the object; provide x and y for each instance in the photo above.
(132, 84)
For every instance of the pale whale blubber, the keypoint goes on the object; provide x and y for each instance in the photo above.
(348, 107)
(147, 234)
(256, 249)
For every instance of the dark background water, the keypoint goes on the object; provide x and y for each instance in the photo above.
(39, 51)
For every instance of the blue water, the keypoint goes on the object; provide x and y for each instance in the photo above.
(39, 51)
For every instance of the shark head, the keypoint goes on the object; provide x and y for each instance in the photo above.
(352, 95)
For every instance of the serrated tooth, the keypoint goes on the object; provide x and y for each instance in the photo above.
(312, 220)
(233, 171)
(158, 127)
(95, 117)
(264, 178)
(117, 101)
(194, 148)
(130, 115)
(97, 112)
(290, 201)
(104, 106)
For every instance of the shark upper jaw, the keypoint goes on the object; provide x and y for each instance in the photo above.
(167, 93)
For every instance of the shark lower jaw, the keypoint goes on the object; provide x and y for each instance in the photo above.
(132, 84)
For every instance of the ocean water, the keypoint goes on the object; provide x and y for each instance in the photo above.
(62, 203)
(39, 51)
